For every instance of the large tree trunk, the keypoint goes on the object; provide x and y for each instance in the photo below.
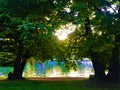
(19, 63)
(114, 66)
(24, 61)
(99, 68)
(16, 75)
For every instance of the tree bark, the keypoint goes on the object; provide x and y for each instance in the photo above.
(24, 61)
(99, 68)
(16, 75)
(114, 66)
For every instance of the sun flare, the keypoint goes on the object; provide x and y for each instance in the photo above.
(64, 31)
(62, 34)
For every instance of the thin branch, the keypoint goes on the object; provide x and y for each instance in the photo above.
(52, 4)
(87, 28)
(98, 9)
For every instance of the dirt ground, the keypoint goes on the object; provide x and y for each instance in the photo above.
(56, 78)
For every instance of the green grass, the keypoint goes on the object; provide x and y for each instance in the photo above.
(58, 85)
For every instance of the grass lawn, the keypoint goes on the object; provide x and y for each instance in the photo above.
(58, 85)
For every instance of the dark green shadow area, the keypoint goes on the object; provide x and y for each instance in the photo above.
(58, 85)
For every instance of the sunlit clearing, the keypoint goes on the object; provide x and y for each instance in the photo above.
(83, 73)
(84, 69)
(73, 73)
(64, 31)
(86, 74)
(54, 72)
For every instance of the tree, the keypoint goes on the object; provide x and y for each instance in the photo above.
(95, 17)
(96, 36)
(112, 32)
(31, 34)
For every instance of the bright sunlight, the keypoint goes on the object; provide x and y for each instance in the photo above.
(64, 31)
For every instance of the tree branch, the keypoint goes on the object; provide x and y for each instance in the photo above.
(87, 29)
(98, 9)
(52, 4)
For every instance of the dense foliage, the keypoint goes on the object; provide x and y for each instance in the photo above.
(27, 30)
